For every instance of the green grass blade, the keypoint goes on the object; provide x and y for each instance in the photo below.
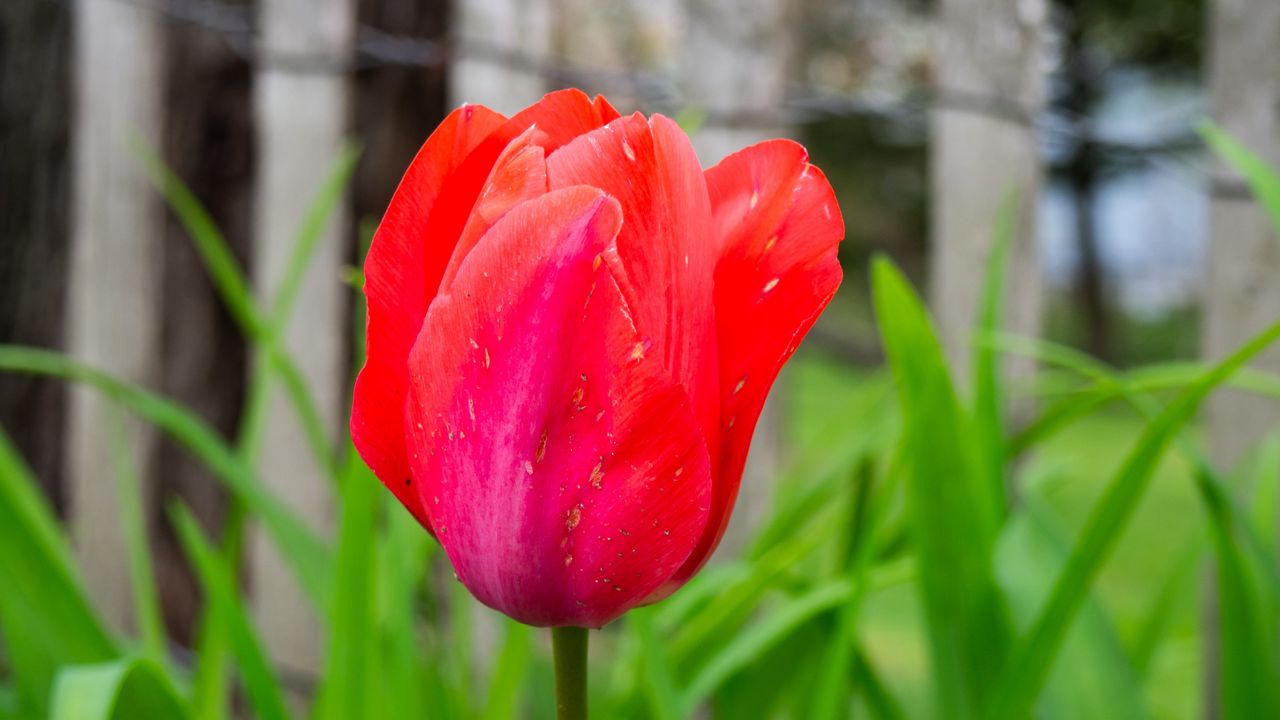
(28, 510)
(133, 524)
(1092, 676)
(234, 290)
(1028, 665)
(311, 232)
(762, 635)
(830, 697)
(119, 690)
(988, 400)
(1174, 375)
(879, 700)
(45, 618)
(701, 633)
(507, 681)
(779, 683)
(831, 693)
(211, 676)
(352, 624)
(953, 514)
(1059, 415)
(260, 682)
(462, 685)
(1247, 662)
(211, 647)
(306, 553)
(1266, 490)
(1176, 588)
(402, 562)
(658, 681)
(1262, 180)
(214, 253)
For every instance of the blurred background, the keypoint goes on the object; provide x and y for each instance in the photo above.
(1132, 244)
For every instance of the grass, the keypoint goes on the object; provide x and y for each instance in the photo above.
(1072, 467)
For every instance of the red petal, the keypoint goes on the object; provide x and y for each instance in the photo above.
(562, 469)
(561, 116)
(519, 174)
(780, 226)
(607, 112)
(664, 248)
(409, 252)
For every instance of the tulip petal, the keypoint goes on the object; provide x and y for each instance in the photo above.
(519, 174)
(562, 468)
(561, 116)
(779, 226)
(409, 253)
(664, 250)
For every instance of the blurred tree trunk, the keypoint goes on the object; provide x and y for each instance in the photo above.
(209, 144)
(1244, 252)
(736, 58)
(35, 54)
(500, 45)
(989, 89)
(115, 282)
(1081, 172)
(301, 108)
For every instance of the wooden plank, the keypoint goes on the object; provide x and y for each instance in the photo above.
(1242, 295)
(208, 143)
(301, 109)
(1244, 253)
(113, 301)
(35, 72)
(989, 86)
(501, 46)
(734, 60)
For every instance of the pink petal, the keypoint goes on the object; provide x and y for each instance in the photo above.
(562, 469)
(664, 250)
(779, 226)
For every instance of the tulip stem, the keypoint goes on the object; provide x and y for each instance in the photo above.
(569, 648)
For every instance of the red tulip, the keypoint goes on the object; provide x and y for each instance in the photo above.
(571, 332)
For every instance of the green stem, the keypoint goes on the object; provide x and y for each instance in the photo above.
(569, 647)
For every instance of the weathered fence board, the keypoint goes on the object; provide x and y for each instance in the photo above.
(301, 96)
(113, 303)
(1243, 295)
(501, 46)
(989, 88)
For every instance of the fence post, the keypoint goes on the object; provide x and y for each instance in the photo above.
(501, 44)
(1244, 251)
(988, 91)
(113, 295)
(734, 65)
(301, 109)
(1243, 296)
